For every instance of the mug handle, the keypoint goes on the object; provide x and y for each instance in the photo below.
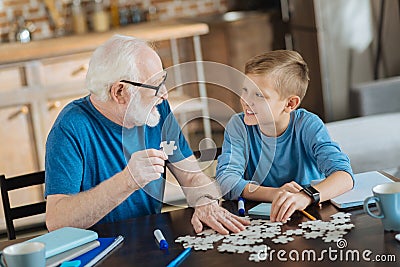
(368, 211)
(2, 263)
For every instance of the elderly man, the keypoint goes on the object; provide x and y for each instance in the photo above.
(103, 157)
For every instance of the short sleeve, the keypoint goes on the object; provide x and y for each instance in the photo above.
(63, 163)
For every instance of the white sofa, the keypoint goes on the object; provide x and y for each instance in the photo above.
(371, 142)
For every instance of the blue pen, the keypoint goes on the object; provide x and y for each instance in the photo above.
(160, 239)
(75, 263)
(241, 206)
(175, 262)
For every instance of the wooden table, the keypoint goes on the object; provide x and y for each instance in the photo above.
(140, 248)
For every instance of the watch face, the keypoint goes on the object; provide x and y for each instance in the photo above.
(313, 193)
(313, 190)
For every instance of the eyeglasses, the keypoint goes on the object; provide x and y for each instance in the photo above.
(160, 83)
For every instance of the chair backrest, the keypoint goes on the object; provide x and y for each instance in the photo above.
(13, 213)
(207, 160)
(173, 194)
(207, 154)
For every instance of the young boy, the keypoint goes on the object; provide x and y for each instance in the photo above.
(272, 150)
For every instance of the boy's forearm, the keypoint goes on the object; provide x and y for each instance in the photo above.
(335, 184)
(258, 193)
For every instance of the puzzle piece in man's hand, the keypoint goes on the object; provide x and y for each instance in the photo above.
(168, 147)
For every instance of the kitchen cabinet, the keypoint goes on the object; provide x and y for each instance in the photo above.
(38, 79)
(28, 111)
(18, 151)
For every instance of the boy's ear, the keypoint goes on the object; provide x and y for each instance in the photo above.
(292, 103)
(119, 93)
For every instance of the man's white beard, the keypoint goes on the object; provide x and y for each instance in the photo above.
(153, 118)
(138, 114)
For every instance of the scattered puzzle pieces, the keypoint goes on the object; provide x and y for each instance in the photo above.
(313, 235)
(250, 240)
(294, 232)
(257, 257)
(282, 239)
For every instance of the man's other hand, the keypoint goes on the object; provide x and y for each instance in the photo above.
(217, 218)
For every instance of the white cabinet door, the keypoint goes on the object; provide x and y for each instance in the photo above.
(17, 142)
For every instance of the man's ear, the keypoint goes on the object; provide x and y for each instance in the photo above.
(119, 93)
(292, 103)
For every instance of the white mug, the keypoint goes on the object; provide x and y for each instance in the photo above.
(29, 254)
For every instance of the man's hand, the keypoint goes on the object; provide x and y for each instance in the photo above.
(287, 201)
(217, 218)
(146, 166)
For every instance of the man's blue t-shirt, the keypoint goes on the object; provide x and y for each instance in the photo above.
(304, 152)
(84, 148)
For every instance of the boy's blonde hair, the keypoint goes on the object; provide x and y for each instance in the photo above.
(286, 68)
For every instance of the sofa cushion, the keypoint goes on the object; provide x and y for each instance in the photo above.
(375, 97)
(371, 142)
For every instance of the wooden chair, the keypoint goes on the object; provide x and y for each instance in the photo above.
(13, 213)
(208, 154)
(207, 159)
(173, 195)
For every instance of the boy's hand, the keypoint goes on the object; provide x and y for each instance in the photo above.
(287, 201)
(291, 187)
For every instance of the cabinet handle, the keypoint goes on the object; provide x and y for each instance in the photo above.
(54, 105)
(289, 41)
(81, 68)
(285, 10)
(23, 110)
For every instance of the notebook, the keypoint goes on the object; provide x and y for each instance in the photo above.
(64, 239)
(262, 210)
(363, 184)
(70, 254)
(107, 244)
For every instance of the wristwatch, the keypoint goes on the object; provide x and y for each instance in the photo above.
(312, 193)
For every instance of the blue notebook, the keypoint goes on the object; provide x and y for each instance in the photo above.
(64, 239)
(56, 260)
(263, 209)
(107, 244)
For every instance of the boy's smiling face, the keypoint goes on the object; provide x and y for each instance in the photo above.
(263, 105)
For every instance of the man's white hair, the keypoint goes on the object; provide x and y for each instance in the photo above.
(113, 61)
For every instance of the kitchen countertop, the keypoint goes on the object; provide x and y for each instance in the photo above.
(151, 31)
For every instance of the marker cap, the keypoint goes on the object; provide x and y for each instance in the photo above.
(163, 244)
(241, 209)
(160, 239)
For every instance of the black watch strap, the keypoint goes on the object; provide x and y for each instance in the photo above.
(312, 193)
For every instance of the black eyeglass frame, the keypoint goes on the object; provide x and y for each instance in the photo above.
(148, 86)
